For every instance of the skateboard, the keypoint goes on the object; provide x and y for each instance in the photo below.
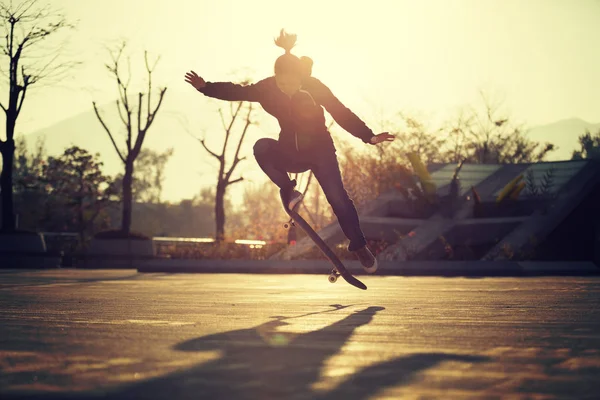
(338, 267)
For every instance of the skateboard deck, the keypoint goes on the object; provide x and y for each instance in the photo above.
(339, 269)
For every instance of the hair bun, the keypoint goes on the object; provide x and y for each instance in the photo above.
(286, 41)
(307, 64)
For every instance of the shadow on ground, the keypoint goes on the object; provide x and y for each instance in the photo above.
(265, 363)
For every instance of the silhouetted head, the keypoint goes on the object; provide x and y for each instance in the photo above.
(289, 69)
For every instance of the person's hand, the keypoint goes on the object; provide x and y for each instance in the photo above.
(383, 137)
(193, 79)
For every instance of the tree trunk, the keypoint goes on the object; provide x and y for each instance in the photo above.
(596, 216)
(81, 223)
(220, 212)
(127, 198)
(80, 196)
(6, 182)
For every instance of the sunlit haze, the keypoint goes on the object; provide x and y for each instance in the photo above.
(378, 57)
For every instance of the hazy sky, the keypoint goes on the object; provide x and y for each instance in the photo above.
(540, 56)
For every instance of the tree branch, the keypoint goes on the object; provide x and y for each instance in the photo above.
(233, 165)
(152, 114)
(108, 131)
(149, 70)
(122, 89)
(236, 158)
(223, 120)
(228, 130)
(201, 141)
(23, 90)
(139, 140)
(208, 150)
(235, 181)
(121, 112)
(141, 132)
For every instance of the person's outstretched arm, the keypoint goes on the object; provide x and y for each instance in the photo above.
(224, 90)
(340, 113)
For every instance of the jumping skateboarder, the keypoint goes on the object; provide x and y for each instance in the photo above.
(296, 99)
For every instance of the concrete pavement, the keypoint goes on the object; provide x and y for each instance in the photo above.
(123, 334)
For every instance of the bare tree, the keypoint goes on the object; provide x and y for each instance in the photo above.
(131, 117)
(225, 171)
(26, 26)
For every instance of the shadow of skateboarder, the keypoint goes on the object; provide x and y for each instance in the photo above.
(266, 362)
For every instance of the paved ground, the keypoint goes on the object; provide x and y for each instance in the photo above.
(123, 334)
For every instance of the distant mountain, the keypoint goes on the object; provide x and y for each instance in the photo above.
(564, 134)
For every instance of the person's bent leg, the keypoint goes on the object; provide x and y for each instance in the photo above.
(269, 157)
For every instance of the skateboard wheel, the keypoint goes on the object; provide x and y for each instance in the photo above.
(332, 278)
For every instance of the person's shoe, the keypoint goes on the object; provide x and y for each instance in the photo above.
(367, 259)
(291, 198)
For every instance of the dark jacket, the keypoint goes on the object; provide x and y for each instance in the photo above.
(301, 118)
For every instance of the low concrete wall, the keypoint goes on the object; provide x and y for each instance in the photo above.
(109, 262)
(26, 251)
(22, 243)
(116, 253)
(121, 247)
(29, 260)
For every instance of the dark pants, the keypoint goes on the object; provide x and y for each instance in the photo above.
(276, 163)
